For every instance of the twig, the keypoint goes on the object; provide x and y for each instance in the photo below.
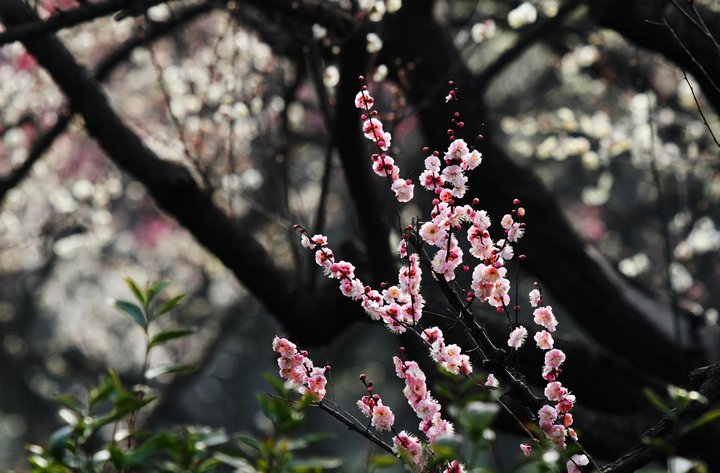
(697, 104)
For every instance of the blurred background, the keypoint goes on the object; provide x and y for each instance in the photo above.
(600, 126)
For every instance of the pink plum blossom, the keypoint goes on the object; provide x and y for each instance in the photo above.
(363, 100)
(544, 317)
(554, 358)
(535, 298)
(576, 462)
(454, 467)
(517, 337)
(526, 449)
(544, 340)
(407, 445)
(382, 417)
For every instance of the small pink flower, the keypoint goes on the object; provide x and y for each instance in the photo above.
(507, 221)
(408, 445)
(556, 435)
(432, 164)
(526, 449)
(555, 391)
(535, 298)
(554, 358)
(363, 100)
(382, 417)
(576, 462)
(491, 381)
(566, 403)
(544, 317)
(546, 416)
(454, 467)
(544, 340)
(471, 160)
(517, 337)
(403, 190)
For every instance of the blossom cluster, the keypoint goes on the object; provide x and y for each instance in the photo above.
(381, 416)
(554, 419)
(383, 164)
(298, 369)
(398, 306)
(421, 401)
(449, 357)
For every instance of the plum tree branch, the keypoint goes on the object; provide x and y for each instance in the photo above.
(102, 72)
(673, 424)
(172, 186)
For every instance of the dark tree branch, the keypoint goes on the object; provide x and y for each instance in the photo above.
(638, 22)
(597, 299)
(103, 71)
(371, 208)
(176, 192)
(706, 381)
(74, 17)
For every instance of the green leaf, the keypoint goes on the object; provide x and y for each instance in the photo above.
(97, 394)
(170, 304)
(240, 464)
(248, 440)
(137, 292)
(164, 337)
(655, 400)
(156, 289)
(314, 463)
(305, 440)
(168, 369)
(383, 461)
(71, 402)
(133, 311)
(705, 419)
(58, 441)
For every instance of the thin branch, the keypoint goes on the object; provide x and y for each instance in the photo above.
(351, 426)
(699, 108)
(690, 54)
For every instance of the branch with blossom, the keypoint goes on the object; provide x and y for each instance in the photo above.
(434, 245)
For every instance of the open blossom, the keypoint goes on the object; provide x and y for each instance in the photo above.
(382, 417)
(297, 368)
(544, 340)
(492, 382)
(517, 337)
(408, 446)
(403, 190)
(555, 391)
(314, 241)
(554, 358)
(576, 462)
(556, 434)
(363, 100)
(535, 298)
(544, 316)
(546, 416)
(454, 467)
